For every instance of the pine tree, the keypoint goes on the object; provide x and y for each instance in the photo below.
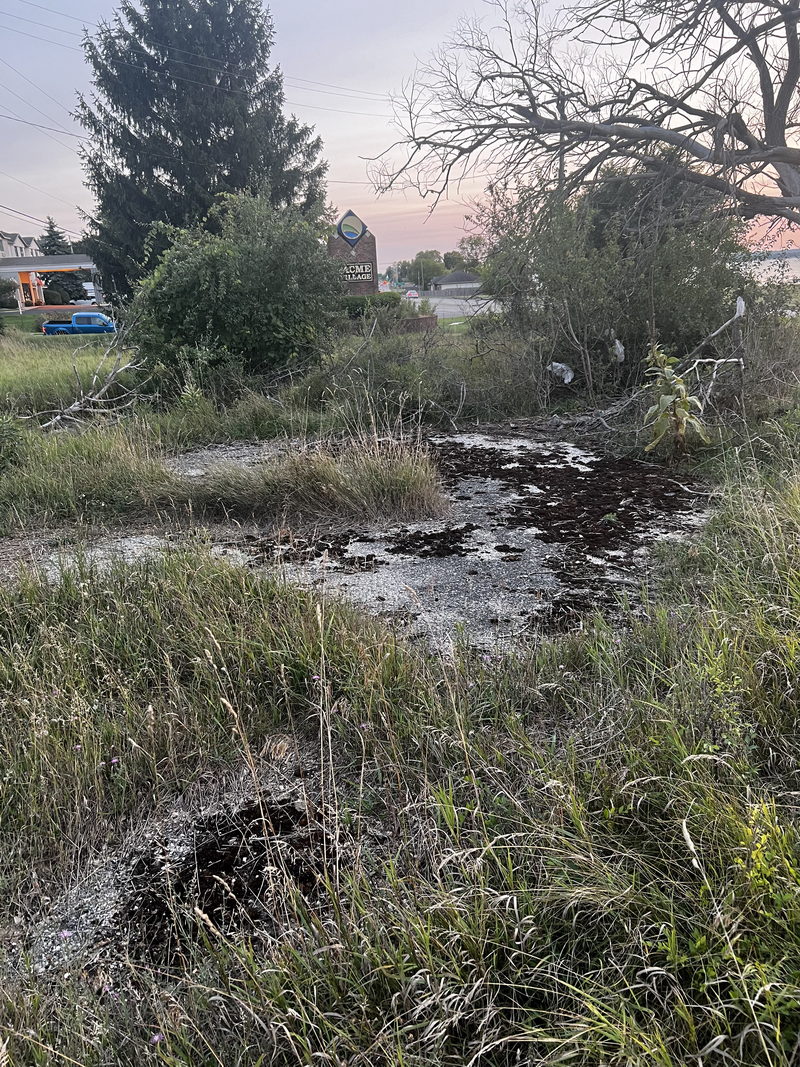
(53, 242)
(185, 108)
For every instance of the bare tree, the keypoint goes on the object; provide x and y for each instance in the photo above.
(703, 91)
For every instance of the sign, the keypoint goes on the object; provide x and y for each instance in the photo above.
(357, 272)
(351, 228)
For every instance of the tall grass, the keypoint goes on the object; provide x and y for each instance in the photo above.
(586, 853)
(108, 473)
(43, 374)
(101, 474)
(364, 478)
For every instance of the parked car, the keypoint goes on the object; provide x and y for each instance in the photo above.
(82, 322)
(412, 294)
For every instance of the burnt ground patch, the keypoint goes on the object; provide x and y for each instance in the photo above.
(596, 502)
(300, 549)
(540, 534)
(597, 509)
(433, 544)
(234, 856)
(235, 871)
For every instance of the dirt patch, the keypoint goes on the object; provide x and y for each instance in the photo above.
(200, 462)
(234, 872)
(230, 857)
(541, 533)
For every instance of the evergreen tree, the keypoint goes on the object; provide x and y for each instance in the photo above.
(185, 108)
(53, 242)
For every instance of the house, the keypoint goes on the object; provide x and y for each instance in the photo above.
(15, 246)
(457, 283)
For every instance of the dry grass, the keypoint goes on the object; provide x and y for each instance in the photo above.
(367, 478)
(115, 472)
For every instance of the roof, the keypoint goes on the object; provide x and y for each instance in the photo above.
(457, 277)
(43, 264)
(12, 237)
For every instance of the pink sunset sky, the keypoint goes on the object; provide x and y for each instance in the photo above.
(341, 62)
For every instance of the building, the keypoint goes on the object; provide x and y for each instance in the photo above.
(15, 246)
(28, 271)
(458, 283)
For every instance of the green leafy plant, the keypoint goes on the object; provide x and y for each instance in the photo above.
(254, 284)
(675, 412)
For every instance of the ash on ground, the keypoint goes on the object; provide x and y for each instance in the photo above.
(540, 534)
(228, 859)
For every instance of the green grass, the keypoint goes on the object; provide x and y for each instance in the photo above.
(40, 374)
(97, 475)
(591, 850)
(458, 324)
(252, 416)
(15, 323)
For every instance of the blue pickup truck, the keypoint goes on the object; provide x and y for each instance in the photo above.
(82, 322)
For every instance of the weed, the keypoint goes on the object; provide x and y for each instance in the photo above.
(675, 411)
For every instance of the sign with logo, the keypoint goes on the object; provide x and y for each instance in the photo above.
(351, 228)
(357, 272)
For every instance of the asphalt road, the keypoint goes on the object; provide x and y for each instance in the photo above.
(451, 307)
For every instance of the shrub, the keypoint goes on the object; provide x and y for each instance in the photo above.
(359, 307)
(8, 294)
(254, 282)
(54, 296)
(630, 263)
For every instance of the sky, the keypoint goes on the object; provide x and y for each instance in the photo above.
(362, 51)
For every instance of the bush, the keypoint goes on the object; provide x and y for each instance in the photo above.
(630, 263)
(254, 282)
(54, 296)
(8, 294)
(359, 307)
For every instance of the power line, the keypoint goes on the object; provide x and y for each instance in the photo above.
(53, 11)
(206, 85)
(24, 33)
(151, 153)
(293, 84)
(328, 85)
(17, 118)
(38, 88)
(39, 126)
(200, 55)
(36, 189)
(32, 218)
(44, 114)
(34, 22)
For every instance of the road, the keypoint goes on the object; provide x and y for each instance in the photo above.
(452, 307)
